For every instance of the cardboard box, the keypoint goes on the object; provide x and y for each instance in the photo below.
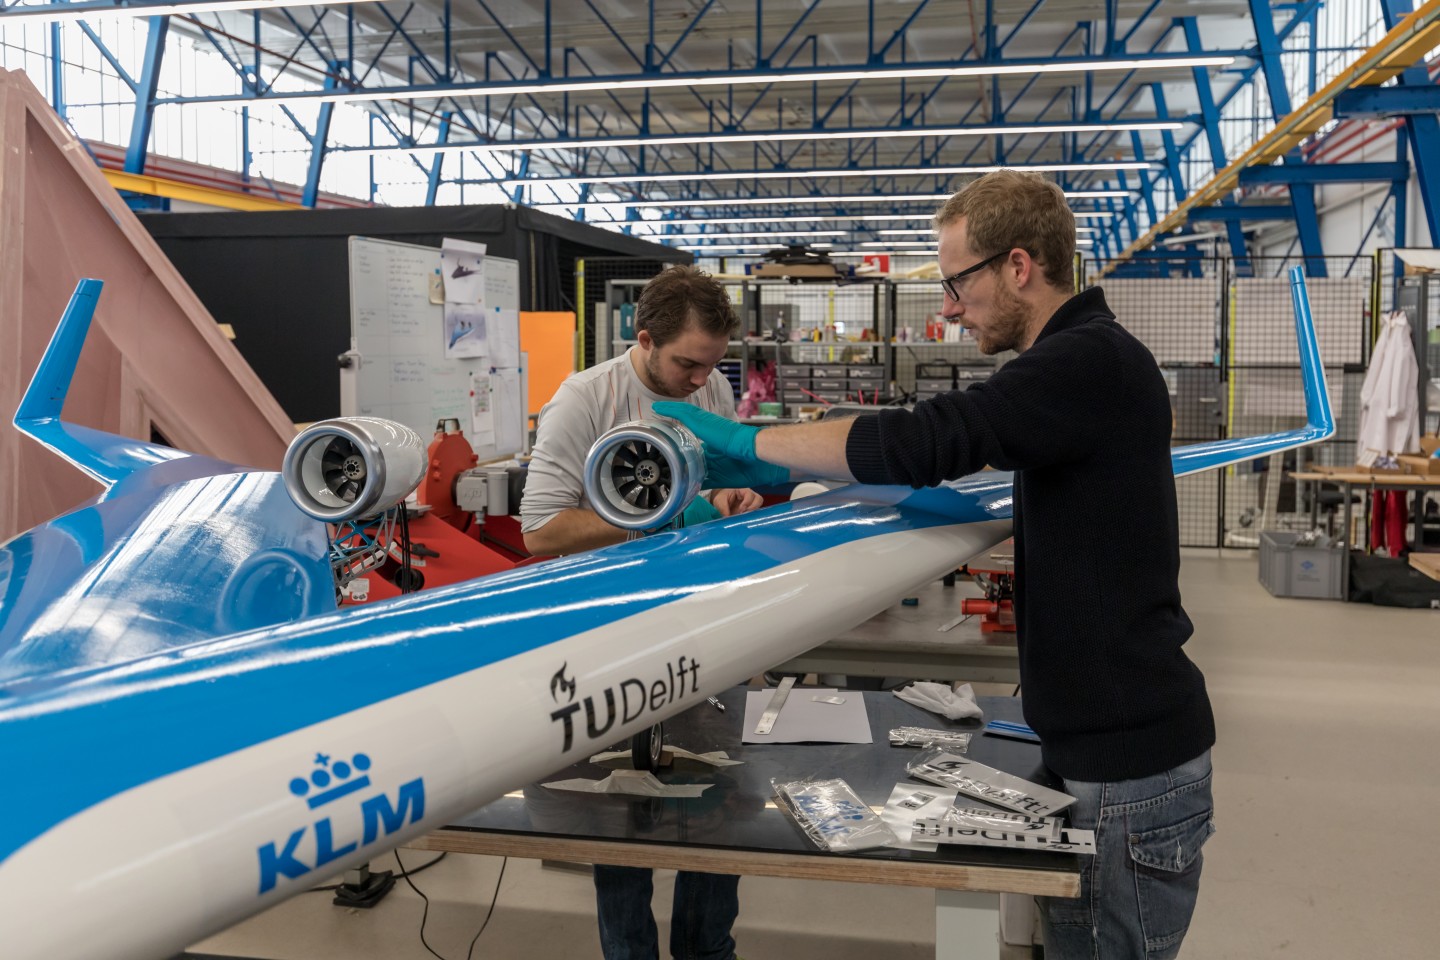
(1420, 466)
(1429, 444)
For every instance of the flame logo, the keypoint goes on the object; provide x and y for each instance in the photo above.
(561, 682)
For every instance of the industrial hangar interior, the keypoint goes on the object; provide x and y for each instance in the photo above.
(701, 478)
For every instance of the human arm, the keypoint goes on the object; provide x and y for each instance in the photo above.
(553, 517)
(572, 531)
(734, 453)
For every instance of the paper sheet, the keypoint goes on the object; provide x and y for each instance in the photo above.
(503, 337)
(716, 758)
(633, 783)
(482, 417)
(907, 804)
(507, 408)
(462, 265)
(803, 720)
(464, 330)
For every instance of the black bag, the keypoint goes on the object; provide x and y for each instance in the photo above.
(1388, 582)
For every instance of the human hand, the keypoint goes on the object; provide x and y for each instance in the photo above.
(730, 501)
(722, 438)
(719, 434)
(700, 511)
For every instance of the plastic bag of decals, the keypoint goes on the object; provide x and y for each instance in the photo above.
(833, 815)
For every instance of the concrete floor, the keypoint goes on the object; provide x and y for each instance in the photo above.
(1309, 696)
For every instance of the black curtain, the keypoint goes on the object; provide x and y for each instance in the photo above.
(281, 279)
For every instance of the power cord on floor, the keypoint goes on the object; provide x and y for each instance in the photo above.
(420, 869)
(425, 913)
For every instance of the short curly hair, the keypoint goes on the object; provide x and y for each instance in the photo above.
(1006, 209)
(682, 294)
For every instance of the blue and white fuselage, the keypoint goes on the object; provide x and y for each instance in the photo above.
(198, 732)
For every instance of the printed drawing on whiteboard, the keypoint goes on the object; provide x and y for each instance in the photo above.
(462, 267)
(503, 335)
(464, 330)
(482, 421)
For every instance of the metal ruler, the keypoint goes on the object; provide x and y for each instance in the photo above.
(772, 711)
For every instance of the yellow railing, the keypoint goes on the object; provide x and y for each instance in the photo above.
(1401, 48)
(211, 196)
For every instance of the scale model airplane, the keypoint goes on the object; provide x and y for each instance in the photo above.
(194, 730)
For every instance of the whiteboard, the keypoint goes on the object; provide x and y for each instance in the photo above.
(398, 369)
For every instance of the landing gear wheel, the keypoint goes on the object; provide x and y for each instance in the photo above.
(645, 748)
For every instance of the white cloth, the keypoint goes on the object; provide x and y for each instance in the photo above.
(939, 698)
(587, 404)
(1389, 400)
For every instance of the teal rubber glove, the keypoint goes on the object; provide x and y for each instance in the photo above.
(696, 512)
(699, 511)
(719, 434)
(730, 459)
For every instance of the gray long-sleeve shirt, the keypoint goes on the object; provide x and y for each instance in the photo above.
(587, 404)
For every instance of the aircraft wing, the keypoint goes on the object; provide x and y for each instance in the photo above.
(172, 793)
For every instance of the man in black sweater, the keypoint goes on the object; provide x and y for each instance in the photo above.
(1082, 416)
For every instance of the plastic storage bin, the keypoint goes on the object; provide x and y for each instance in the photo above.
(1288, 569)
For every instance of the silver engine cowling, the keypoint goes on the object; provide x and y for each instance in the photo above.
(642, 475)
(353, 468)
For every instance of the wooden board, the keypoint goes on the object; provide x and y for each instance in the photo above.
(1427, 563)
(155, 362)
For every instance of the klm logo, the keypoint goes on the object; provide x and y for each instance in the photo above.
(372, 818)
(626, 701)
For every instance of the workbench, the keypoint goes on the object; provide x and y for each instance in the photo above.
(736, 828)
(1372, 482)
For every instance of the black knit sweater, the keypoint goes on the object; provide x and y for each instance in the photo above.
(1083, 418)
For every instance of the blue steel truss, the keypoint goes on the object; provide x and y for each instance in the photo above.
(501, 98)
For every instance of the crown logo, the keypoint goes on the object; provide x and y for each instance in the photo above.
(335, 780)
(561, 682)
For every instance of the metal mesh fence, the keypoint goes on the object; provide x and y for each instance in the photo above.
(834, 349)
(592, 276)
(1226, 345)
(922, 353)
(1400, 289)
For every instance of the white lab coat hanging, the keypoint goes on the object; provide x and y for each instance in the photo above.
(1389, 404)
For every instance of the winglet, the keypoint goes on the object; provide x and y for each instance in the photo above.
(1318, 415)
(1319, 419)
(46, 394)
(106, 457)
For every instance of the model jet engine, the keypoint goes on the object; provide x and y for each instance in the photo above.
(352, 468)
(641, 475)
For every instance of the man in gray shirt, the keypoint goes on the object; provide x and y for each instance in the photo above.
(684, 322)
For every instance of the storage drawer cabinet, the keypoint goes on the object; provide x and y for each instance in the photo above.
(829, 372)
(867, 371)
(791, 370)
(934, 386)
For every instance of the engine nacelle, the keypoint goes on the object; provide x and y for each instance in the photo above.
(642, 475)
(353, 468)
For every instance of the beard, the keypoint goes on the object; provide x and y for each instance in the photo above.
(652, 367)
(1011, 322)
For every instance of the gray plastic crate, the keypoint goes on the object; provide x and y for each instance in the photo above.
(1290, 570)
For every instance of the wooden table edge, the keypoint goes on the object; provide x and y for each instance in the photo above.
(939, 876)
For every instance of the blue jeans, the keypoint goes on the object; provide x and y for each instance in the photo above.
(705, 908)
(1137, 893)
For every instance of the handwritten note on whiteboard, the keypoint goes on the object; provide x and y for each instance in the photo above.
(403, 372)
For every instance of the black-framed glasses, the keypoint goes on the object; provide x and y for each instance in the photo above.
(952, 282)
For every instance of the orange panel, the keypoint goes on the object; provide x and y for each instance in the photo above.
(549, 339)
